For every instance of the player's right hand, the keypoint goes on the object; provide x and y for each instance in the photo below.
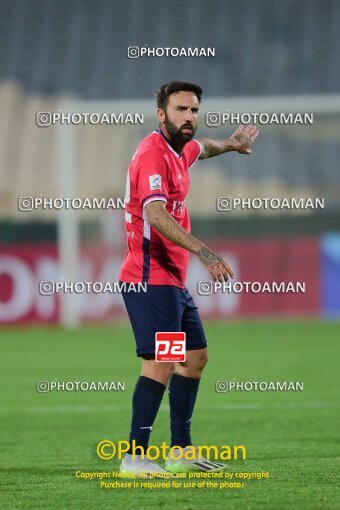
(218, 268)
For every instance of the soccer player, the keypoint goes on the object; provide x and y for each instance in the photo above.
(159, 242)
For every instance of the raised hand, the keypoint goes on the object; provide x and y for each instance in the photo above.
(243, 138)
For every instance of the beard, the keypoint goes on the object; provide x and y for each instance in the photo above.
(176, 135)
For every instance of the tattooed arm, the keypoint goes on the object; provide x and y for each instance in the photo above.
(159, 218)
(240, 141)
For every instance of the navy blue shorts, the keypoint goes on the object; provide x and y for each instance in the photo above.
(163, 308)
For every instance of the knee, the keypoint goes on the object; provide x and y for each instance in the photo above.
(166, 369)
(202, 359)
(164, 372)
(161, 372)
(197, 361)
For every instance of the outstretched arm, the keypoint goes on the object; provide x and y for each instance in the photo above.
(240, 141)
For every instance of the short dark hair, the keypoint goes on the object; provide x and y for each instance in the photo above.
(164, 91)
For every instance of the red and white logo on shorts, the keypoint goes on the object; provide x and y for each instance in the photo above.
(170, 346)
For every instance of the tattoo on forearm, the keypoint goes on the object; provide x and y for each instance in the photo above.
(172, 230)
(208, 257)
(213, 147)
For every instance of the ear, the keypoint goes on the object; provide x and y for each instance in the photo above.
(160, 115)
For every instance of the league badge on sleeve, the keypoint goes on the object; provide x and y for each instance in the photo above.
(155, 182)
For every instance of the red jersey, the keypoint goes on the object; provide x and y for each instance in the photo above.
(157, 172)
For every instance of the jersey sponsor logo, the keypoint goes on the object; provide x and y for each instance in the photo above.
(178, 208)
(155, 182)
(170, 346)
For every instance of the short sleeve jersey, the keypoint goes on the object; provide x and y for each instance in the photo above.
(157, 172)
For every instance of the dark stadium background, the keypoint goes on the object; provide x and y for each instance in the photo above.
(71, 55)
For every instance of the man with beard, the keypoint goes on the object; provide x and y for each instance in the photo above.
(159, 242)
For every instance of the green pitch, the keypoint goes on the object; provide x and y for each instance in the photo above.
(47, 437)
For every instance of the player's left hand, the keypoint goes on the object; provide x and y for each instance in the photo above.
(243, 138)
